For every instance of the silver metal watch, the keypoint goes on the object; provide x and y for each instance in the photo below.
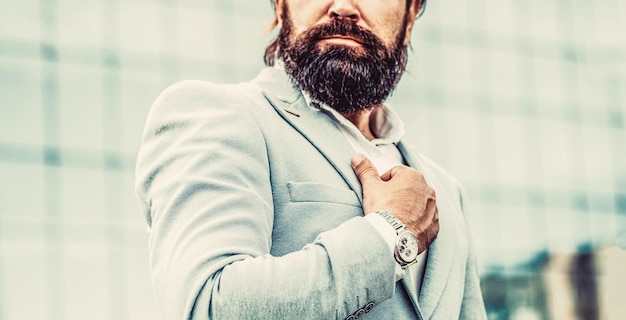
(407, 246)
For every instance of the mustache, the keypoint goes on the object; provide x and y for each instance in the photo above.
(344, 28)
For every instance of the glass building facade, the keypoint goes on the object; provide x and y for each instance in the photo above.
(523, 101)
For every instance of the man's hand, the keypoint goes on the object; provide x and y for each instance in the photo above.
(403, 192)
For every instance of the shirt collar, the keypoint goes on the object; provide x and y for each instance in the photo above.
(385, 123)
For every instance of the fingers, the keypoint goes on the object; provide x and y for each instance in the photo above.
(404, 192)
(428, 229)
(391, 172)
(364, 169)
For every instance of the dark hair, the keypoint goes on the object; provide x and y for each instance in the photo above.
(271, 49)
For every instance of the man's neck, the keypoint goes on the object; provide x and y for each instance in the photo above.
(361, 121)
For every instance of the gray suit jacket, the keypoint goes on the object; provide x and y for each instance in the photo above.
(255, 213)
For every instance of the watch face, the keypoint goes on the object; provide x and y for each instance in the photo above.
(407, 247)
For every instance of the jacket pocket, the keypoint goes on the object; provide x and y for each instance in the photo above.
(319, 192)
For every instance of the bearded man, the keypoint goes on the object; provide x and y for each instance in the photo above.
(293, 195)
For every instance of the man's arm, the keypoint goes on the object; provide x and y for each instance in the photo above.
(203, 182)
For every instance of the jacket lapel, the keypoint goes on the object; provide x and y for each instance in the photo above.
(441, 252)
(315, 126)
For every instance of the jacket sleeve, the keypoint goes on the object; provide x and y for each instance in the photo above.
(472, 306)
(203, 184)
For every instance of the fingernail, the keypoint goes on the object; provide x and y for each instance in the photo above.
(356, 159)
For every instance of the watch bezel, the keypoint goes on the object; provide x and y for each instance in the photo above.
(414, 248)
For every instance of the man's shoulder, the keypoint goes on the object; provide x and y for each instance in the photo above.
(269, 80)
(199, 99)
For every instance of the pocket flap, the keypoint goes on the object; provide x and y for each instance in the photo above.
(319, 192)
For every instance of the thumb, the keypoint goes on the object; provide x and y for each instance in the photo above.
(364, 168)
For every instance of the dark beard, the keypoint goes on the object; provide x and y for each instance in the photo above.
(350, 80)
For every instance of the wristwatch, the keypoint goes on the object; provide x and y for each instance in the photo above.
(407, 246)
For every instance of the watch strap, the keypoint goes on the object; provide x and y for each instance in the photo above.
(395, 223)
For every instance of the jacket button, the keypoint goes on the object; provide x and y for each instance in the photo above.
(351, 318)
(369, 307)
(359, 313)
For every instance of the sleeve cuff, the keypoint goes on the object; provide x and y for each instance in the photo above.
(389, 234)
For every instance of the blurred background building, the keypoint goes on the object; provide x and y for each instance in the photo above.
(523, 101)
